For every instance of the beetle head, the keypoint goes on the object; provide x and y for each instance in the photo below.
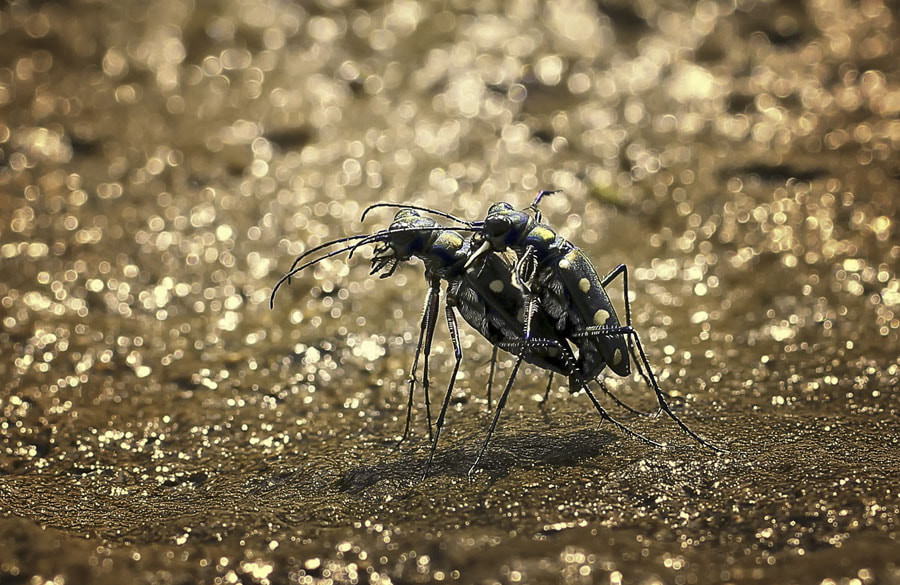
(407, 236)
(504, 226)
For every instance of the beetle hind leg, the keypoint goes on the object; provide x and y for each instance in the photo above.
(622, 403)
(650, 379)
(625, 429)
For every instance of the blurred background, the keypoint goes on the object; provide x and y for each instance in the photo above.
(162, 163)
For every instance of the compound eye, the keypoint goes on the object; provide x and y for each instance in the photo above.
(406, 213)
(399, 225)
(499, 207)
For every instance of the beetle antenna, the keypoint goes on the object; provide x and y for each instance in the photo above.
(326, 245)
(541, 195)
(420, 208)
(297, 269)
(363, 240)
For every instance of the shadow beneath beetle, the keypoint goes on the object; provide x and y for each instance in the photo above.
(522, 450)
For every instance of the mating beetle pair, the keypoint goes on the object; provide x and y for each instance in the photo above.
(550, 298)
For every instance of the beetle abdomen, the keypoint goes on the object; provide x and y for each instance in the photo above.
(592, 308)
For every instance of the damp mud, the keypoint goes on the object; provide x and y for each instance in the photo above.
(162, 164)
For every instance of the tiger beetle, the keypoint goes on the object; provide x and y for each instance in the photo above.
(559, 277)
(487, 299)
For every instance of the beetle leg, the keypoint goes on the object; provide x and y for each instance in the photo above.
(660, 396)
(623, 428)
(457, 350)
(500, 404)
(525, 269)
(425, 329)
(521, 346)
(620, 402)
(529, 299)
(491, 375)
(605, 281)
(547, 391)
(662, 400)
(429, 337)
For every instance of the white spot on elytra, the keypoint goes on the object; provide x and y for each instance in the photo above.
(496, 286)
(564, 264)
(584, 284)
(600, 317)
(617, 357)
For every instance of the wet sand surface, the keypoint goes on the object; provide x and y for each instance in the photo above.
(161, 164)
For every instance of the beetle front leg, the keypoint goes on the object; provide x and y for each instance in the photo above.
(429, 337)
(426, 330)
(457, 351)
